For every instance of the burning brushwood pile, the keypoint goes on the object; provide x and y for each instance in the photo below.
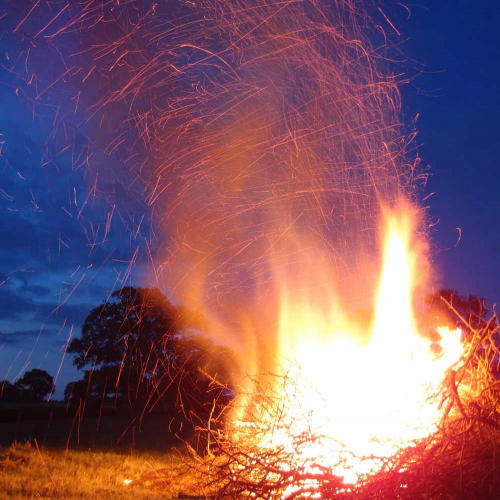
(423, 424)
(458, 459)
(397, 414)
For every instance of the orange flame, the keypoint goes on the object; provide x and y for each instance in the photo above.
(367, 396)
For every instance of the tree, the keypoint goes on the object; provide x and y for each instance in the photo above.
(75, 390)
(7, 391)
(472, 310)
(471, 314)
(140, 350)
(34, 385)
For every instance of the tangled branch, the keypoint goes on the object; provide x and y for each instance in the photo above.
(249, 458)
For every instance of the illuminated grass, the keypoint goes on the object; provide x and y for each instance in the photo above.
(26, 472)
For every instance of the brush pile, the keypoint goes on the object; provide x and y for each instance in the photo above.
(460, 460)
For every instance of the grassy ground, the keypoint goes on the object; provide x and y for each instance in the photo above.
(89, 457)
(27, 472)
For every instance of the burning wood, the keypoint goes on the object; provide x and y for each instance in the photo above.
(456, 460)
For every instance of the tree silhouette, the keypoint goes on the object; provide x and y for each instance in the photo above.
(7, 391)
(76, 390)
(132, 323)
(141, 351)
(472, 310)
(34, 385)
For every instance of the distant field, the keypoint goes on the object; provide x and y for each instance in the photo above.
(27, 472)
(54, 426)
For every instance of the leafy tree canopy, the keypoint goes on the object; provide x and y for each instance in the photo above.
(137, 326)
(35, 385)
(140, 350)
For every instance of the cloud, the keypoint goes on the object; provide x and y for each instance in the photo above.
(26, 303)
(20, 238)
(37, 291)
(13, 306)
(19, 338)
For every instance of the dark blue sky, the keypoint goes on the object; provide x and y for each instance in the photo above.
(66, 246)
(456, 96)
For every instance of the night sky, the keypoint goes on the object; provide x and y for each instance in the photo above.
(458, 44)
(66, 244)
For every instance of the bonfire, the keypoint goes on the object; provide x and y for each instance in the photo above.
(395, 414)
(396, 417)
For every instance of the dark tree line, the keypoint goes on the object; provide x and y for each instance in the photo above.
(35, 385)
(143, 354)
(138, 350)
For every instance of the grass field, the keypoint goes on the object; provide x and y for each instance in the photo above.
(89, 458)
(30, 472)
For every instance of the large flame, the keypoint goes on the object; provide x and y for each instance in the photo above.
(366, 395)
